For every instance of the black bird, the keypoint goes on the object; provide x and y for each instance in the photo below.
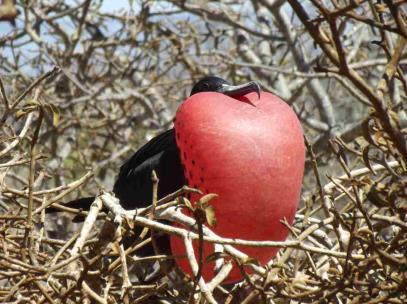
(134, 185)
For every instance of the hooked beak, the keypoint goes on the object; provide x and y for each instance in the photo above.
(240, 90)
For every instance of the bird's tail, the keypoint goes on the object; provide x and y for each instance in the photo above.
(80, 203)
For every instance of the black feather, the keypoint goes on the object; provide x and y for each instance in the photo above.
(134, 185)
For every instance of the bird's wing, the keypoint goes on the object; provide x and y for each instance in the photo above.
(151, 149)
(134, 184)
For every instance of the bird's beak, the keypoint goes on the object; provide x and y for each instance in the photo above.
(240, 90)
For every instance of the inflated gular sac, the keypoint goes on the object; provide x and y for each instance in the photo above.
(249, 151)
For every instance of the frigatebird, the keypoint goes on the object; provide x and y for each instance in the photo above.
(134, 185)
(241, 143)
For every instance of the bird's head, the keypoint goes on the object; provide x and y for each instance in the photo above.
(217, 84)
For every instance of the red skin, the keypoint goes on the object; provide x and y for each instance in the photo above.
(251, 153)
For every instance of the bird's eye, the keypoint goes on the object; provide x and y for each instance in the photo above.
(205, 85)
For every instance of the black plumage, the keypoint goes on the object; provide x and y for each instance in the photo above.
(134, 184)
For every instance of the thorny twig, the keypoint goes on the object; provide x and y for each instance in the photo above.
(120, 85)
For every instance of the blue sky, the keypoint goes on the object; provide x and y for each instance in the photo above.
(107, 6)
(115, 5)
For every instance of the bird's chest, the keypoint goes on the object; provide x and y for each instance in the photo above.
(251, 154)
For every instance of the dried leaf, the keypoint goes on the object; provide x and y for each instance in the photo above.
(216, 256)
(250, 260)
(366, 159)
(366, 131)
(187, 204)
(210, 216)
(55, 114)
(20, 113)
(205, 199)
(24, 111)
(376, 198)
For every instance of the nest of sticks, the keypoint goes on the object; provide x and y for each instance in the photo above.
(347, 244)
